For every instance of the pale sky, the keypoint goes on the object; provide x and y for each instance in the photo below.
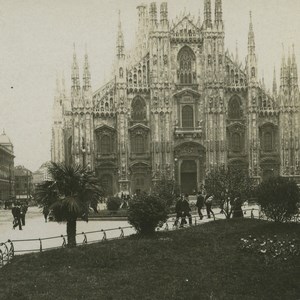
(36, 43)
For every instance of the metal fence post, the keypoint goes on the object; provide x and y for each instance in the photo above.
(84, 239)
(41, 246)
(122, 232)
(64, 241)
(104, 235)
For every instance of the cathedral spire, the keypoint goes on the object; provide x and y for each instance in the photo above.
(63, 84)
(282, 70)
(251, 38)
(153, 15)
(164, 15)
(207, 14)
(120, 40)
(251, 57)
(218, 13)
(199, 19)
(58, 89)
(236, 52)
(274, 83)
(86, 72)
(75, 72)
(294, 69)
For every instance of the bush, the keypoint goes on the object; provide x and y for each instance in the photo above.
(278, 198)
(146, 212)
(113, 203)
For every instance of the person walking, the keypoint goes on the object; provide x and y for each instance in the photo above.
(16, 212)
(46, 213)
(23, 211)
(237, 207)
(208, 204)
(199, 204)
(178, 209)
(186, 211)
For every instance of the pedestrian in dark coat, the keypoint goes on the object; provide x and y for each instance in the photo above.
(237, 208)
(199, 204)
(16, 212)
(46, 213)
(178, 209)
(208, 204)
(23, 211)
(186, 211)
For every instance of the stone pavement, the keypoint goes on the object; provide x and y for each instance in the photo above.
(26, 240)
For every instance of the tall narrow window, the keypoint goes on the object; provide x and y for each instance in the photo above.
(138, 110)
(186, 63)
(187, 117)
(105, 144)
(234, 108)
(236, 142)
(268, 143)
(139, 144)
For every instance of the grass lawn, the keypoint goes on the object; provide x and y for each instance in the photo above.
(202, 262)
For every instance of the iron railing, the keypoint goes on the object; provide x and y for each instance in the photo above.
(9, 249)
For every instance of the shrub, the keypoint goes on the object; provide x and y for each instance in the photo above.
(146, 212)
(113, 203)
(278, 198)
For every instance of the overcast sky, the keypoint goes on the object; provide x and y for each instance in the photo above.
(36, 43)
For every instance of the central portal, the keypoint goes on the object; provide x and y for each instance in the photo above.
(188, 176)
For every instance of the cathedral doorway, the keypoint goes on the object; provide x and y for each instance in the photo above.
(188, 176)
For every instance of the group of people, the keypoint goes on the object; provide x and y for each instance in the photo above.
(183, 209)
(207, 200)
(19, 212)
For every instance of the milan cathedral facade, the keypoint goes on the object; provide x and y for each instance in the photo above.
(178, 105)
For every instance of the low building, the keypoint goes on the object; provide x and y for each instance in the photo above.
(40, 175)
(23, 183)
(7, 181)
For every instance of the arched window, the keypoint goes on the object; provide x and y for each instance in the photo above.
(234, 108)
(138, 110)
(236, 142)
(139, 145)
(187, 65)
(268, 141)
(105, 144)
(121, 72)
(187, 117)
(252, 72)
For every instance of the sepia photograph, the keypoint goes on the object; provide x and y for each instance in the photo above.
(149, 149)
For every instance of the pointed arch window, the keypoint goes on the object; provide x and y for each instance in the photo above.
(105, 144)
(139, 144)
(268, 142)
(234, 108)
(187, 116)
(236, 142)
(138, 110)
(187, 65)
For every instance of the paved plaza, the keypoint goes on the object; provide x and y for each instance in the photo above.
(25, 240)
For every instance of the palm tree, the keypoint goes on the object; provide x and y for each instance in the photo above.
(68, 195)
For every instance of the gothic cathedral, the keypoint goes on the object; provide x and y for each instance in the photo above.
(178, 105)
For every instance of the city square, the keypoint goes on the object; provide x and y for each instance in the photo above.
(137, 135)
